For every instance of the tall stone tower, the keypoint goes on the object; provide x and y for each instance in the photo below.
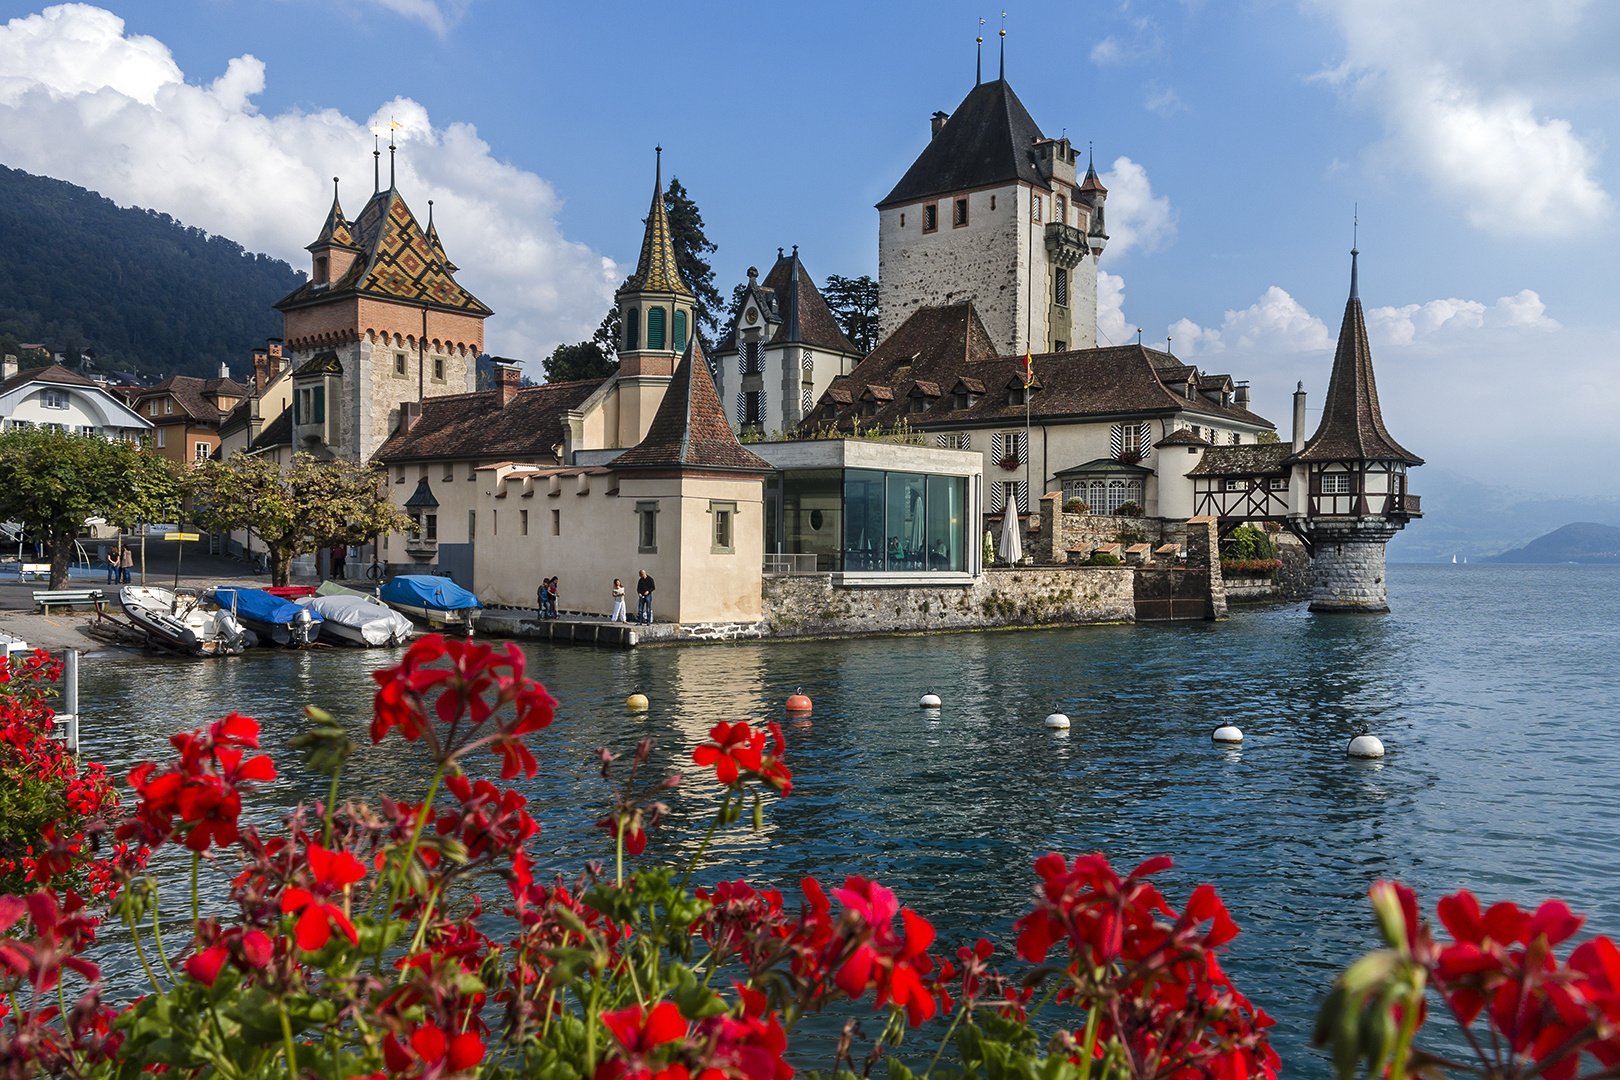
(1349, 480)
(656, 320)
(380, 325)
(994, 212)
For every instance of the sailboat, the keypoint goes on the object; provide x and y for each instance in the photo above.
(1454, 560)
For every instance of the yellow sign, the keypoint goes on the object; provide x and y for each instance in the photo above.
(179, 536)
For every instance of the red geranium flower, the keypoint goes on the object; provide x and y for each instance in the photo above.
(332, 871)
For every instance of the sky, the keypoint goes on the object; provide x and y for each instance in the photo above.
(1239, 140)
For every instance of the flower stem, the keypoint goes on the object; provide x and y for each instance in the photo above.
(691, 865)
(287, 1041)
(140, 950)
(1088, 1047)
(331, 803)
(196, 859)
(157, 940)
(401, 873)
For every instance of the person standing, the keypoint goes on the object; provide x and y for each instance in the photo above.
(618, 602)
(112, 566)
(340, 561)
(644, 591)
(551, 596)
(540, 599)
(126, 565)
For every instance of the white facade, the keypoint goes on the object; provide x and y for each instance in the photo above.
(78, 408)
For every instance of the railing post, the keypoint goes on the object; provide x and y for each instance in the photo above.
(70, 698)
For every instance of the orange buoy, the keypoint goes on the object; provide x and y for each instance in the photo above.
(798, 703)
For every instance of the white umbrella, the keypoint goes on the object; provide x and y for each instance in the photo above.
(1012, 540)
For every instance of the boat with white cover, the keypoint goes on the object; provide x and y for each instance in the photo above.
(359, 620)
(182, 621)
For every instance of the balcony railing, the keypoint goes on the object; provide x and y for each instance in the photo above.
(790, 564)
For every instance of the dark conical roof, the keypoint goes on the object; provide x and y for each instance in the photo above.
(655, 268)
(690, 427)
(1352, 427)
(986, 141)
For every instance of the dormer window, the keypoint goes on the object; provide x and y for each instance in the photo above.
(320, 269)
(1016, 395)
(53, 399)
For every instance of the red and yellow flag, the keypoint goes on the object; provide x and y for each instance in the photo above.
(1027, 365)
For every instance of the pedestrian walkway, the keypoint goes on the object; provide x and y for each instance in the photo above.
(579, 628)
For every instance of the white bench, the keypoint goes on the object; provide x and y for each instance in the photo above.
(45, 599)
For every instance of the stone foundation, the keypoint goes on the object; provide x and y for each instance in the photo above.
(812, 606)
(1347, 565)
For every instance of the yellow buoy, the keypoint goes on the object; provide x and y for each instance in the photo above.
(636, 703)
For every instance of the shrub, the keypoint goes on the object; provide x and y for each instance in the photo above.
(1103, 558)
(1249, 566)
(357, 947)
(1129, 509)
(1247, 542)
(1077, 506)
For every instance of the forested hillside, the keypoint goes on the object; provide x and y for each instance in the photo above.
(137, 288)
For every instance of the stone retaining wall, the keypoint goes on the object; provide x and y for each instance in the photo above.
(812, 606)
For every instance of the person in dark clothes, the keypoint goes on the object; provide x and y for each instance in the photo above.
(644, 591)
(340, 561)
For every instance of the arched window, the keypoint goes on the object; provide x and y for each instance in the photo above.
(632, 329)
(655, 328)
(1099, 497)
(1116, 495)
(679, 341)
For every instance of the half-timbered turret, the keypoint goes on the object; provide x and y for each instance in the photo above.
(1348, 482)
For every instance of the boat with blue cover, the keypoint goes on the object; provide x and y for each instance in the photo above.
(437, 601)
(273, 618)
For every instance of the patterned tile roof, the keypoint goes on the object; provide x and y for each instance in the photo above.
(655, 268)
(987, 140)
(949, 346)
(475, 426)
(397, 261)
(690, 428)
(336, 231)
(1352, 427)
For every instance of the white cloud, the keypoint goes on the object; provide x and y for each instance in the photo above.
(82, 101)
(1276, 323)
(1107, 51)
(1415, 322)
(1163, 100)
(1458, 99)
(1144, 43)
(1136, 218)
(1112, 326)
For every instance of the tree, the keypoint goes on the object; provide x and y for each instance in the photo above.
(594, 359)
(686, 235)
(295, 509)
(52, 482)
(854, 303)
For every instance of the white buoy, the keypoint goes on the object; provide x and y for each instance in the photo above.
(1227, 733)
(1365, 746)
(929, 701)
(1057, 721)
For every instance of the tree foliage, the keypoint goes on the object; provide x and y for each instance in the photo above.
(691, 247)
(52, 482)
(138, 288)
(296, 509)
(854, 303)
(596, 358)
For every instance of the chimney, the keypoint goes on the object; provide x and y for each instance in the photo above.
(260, 366)
(1240, 396)
(8, 366)
(939, 119)
(506, 381)
(273, 364)
(1299, 418)
(409, 413)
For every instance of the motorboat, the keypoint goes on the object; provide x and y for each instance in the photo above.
(437, 601)
(273, 618)
(359, 620)
(332, 588)
(183, 622)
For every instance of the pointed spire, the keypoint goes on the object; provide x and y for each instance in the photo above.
(391, 127)
(656, 270)
(1355, 244)
(376, 160)
(793, 298)
(690, 427)
(1003, 46)
(336, 230)
(978, 60)
(1352, 427)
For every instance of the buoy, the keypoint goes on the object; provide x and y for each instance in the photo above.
(636, 703)
(1227, 733)
(798, 702)
(1365, 745)
(1057, 721)
(929, 701)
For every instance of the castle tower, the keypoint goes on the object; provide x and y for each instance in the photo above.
(1351, 477)
(380, 322)
(993, 212)
(656, 320)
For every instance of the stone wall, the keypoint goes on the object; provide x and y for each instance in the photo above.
(812, 606)
(1348, 565)
(1050, 543)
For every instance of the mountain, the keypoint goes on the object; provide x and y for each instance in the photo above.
(135, 287)
(1462, 516)
(1582, 542)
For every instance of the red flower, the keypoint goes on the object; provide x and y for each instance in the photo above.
(736, 748)
(332, 871)
(206, 965)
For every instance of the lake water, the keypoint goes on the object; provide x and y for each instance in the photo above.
(1493, 689)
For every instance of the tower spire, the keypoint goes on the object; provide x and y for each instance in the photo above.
(391, 126)
(656, 270)
(1355, 244)
(1003, 46)
(376, 158)
(978, 60)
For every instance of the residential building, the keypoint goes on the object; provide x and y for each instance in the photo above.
(56, 398)
(185, 413)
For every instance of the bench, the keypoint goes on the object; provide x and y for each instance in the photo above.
(45, 599)
(34, 570)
